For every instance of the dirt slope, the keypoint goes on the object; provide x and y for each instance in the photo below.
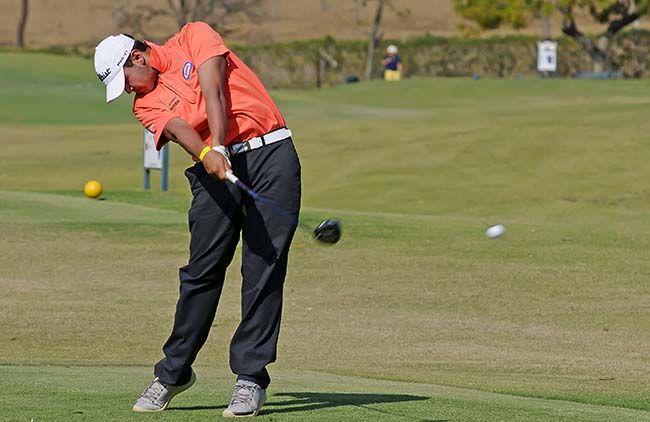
(84, 22)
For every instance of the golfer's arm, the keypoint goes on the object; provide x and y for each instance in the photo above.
(179, 131)
(212, 75)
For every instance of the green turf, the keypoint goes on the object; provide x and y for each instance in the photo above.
(547, 323)
(105, 394)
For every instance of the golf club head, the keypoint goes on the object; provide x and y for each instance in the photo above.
(328, 231)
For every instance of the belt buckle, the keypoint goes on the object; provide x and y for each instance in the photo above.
(239, 148)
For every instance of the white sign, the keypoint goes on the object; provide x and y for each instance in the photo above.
(152, 159)
(547, 56)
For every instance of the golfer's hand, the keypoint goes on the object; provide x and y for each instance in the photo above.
(216, 164)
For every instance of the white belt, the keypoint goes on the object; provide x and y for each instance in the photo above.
(259, 141)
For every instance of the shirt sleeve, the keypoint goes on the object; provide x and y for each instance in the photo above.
(204, 43)
(154, 120)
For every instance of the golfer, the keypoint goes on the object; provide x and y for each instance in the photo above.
(194, 91)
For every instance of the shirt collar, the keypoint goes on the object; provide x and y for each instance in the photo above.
(158, 58)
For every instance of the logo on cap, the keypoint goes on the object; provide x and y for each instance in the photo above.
(104, 74)
(187, 70)
(121, 61)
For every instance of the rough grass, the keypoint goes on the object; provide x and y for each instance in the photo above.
(547, 323)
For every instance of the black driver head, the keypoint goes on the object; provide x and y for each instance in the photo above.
(329, 231)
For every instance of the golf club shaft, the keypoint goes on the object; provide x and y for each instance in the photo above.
(234, 179)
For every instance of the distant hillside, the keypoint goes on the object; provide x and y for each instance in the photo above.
(84, 22)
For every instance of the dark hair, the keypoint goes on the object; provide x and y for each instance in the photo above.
(139, 45)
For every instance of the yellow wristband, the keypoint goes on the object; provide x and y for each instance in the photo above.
(205, 151)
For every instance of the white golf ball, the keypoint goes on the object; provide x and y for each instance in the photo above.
(495, 231)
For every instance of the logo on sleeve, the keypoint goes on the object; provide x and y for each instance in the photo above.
(187, 70)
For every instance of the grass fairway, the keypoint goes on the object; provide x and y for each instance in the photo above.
(414, 315)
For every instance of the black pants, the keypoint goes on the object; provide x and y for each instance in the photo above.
(218, 214)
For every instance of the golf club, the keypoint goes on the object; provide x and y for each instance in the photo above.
(328, 231)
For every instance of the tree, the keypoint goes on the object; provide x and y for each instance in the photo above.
(374, 39)
(616, 15)
(355, 12)
(275, 8)
(140, 15)
(185, 11)
(22, 23)
(613, 14)
(375, 36)
(490, 14)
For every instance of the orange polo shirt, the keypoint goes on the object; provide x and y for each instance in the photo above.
(250, 110)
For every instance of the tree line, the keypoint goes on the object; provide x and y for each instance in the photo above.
(136, 17)
(613, 16)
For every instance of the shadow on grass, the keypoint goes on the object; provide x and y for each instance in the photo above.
(196, 408)
(306, 401)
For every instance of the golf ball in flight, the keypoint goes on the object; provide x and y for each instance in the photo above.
(495, 231)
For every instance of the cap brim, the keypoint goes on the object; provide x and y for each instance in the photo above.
(115, 88)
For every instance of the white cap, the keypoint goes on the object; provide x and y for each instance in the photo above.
(391, 49)
(110, 56)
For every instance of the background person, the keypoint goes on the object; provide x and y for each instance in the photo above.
(393, 69)
(194, 91)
